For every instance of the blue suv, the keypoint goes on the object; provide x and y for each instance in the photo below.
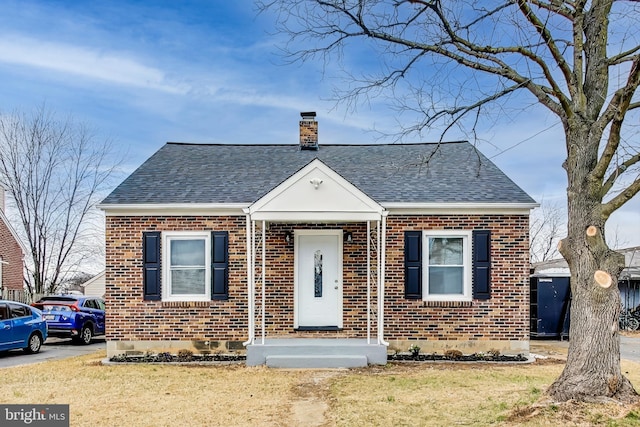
(76, 316)
(21, 326)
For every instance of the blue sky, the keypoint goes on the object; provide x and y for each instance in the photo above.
(144, 73)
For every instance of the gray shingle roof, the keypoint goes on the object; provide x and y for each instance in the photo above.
(388, 173)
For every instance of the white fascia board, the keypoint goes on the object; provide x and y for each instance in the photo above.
(315, 216)
(208, 209)
(459, 208)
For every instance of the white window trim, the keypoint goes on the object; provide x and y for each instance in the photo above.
(167, 236)
(467, 260)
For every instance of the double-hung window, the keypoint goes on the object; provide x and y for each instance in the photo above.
(447, 265)
(187, 261)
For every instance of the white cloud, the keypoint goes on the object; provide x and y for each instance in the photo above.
(111, 67)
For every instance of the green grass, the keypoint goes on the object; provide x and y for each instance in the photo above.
(411, 394)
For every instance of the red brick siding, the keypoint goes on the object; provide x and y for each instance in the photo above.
(132, 318)
(11, 253)
(503, 317)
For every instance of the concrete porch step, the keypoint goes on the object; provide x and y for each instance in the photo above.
(317, 361)
(316, 353)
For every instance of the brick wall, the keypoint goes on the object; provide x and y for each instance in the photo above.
(11, 254)
(130, 318)
(504, 317)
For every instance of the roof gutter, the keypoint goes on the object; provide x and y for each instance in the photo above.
(396, 208)
(173, 209)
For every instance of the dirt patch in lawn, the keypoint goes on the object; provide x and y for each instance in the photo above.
(575, 414)
(312, 396)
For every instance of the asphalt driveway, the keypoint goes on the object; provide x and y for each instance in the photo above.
(53, 349)
(629, 347)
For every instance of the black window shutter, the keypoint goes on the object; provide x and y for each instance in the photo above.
(413, 264)
(481, 264)
(219, 265)
(151, 265)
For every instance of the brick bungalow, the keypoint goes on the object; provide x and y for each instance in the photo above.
(317, 255)
(11, 257)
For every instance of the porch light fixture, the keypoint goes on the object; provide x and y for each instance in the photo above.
(288, 236)
(316, 182)
(348, 237)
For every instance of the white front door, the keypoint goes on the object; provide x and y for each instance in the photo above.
(318, 278)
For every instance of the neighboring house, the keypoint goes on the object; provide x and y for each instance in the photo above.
(94, 287)
(11, 258)
(317, 255)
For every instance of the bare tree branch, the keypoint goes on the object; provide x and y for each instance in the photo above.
(56, 171)
(622, 168)
(624, 56)
(622, 198)
(550, 42)
(559, 8)
(546, 228)
(615, 114)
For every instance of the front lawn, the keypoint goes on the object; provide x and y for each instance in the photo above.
(403, 394)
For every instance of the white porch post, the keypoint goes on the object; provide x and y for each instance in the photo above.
(264, 280)
(368, 282)
(381, 273)
(250, 271)
(378, 267)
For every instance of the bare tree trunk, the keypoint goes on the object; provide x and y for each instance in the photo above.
(593, 369)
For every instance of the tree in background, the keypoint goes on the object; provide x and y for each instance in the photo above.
(546, 228)
(55, 170)
(447, 62)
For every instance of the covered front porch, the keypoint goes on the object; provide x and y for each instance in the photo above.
(296, 307)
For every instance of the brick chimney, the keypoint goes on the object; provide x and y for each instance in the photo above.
(2, 199)
(308, 131)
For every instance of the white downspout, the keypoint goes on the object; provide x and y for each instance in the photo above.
(383, 254)
(250, 302)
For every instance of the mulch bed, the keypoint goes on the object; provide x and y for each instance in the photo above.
(398, 357)
(173, 358)
(457, 358)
